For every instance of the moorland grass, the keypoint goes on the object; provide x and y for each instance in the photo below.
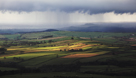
(62, 74)
(7, 69)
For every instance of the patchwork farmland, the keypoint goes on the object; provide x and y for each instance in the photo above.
(101, 55)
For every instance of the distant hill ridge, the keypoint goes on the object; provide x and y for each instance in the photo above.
(88, 27)
(49, 30)
(13, 31)
(104, 27)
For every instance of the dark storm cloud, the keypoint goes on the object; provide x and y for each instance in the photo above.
(123, 6)
(23, 6)
(90, 6)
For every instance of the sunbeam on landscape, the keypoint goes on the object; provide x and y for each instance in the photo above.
(67, 39)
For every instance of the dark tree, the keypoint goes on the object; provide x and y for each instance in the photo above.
(64, 49)
(57, 56)
(4, 57)
(72, 38)
(2, 50)
(44, 41)
(49, 41)
(80, 50)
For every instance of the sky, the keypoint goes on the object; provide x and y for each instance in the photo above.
(17, 14)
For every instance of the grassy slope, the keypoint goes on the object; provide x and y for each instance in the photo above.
(77, 34)
(50, 58)
(12, 36)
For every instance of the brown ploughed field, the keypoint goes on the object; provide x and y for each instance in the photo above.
(79, 55)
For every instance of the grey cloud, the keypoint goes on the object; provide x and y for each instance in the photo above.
(90, 6)
(22, 6)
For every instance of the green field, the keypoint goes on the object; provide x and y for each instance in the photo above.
(12, 36)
